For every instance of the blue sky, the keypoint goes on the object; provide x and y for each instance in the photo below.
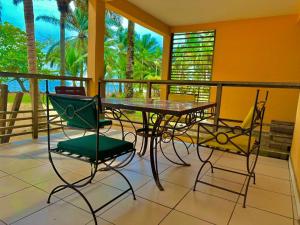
(44, 31)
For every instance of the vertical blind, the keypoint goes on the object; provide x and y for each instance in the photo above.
(192, 59)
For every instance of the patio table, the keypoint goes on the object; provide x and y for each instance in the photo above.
(157, 117)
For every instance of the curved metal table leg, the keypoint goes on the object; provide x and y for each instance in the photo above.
(153, 151)
(145, 136)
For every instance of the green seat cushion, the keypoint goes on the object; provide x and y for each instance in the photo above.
(86, 145)
(105, 122)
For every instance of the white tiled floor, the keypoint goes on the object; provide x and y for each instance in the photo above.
(26, 178)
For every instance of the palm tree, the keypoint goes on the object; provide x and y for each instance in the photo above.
(31, 48)
(147, 57)
(63, 7)
(0, 12)
(29, 23)
(130, 59)
(76, 22)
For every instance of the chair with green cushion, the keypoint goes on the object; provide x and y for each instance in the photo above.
(234, 137)
(95, 149)
(80, 91)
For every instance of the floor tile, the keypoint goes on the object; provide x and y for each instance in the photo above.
(227, 176)
(144, 167)
(273, 171)
(273, 162)
(136, 180)
(162, 159)
(134, 212)
(251, 216)
(218, 192)
(234, 163)
(37, 174)
(183, 176)
(53, 182)
(171, 195)
(100, 221)
(269, 201)
(206, 207)
(272, 184)
(60, 213)
(178, 218)
(15, 165)
(2, 174)
(97, 194)
(10, 184)
(22, 203)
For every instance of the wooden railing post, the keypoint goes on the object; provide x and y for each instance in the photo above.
(34, 92)
(3, 107)
(102, 88)
(15, 109)
(149, 89)
(218, 101)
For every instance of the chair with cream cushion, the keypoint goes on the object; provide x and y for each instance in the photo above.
(235, 137)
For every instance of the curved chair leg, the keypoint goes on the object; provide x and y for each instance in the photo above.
(199, 172)
(56, 189)
(125, 178)
(88, 204)
(206, 161)
(246, 190)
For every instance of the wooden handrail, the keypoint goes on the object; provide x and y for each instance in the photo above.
(42, 76)
(288, 85)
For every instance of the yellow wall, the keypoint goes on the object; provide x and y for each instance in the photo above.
(295, 152)
(265, 49)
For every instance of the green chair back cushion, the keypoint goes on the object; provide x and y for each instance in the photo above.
(79, 112)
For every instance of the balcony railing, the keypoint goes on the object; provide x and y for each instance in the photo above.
(37, 119)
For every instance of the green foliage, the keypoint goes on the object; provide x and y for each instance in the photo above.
(13, 50)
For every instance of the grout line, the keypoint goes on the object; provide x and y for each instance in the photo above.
(237, 200)
(3, 222)
(30, 214)
(173, 208)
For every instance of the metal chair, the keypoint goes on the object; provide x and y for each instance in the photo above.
(235, 139)
(97, 150)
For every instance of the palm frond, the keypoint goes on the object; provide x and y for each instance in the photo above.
(48, 19)
(17, 2)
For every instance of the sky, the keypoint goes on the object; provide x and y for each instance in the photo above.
(45, 31)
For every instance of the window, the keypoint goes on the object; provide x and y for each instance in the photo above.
(192, 59)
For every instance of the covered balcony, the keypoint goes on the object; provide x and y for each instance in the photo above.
(219, 60)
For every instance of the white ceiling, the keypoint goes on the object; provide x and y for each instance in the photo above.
(184, 12)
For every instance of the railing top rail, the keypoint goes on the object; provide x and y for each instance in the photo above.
(288, 85)
(41, 76)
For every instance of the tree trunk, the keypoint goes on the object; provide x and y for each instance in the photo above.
(120, 88)
(130, 59)
(29, 22)
(21, 84)
(62, 46)
(32, 62)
